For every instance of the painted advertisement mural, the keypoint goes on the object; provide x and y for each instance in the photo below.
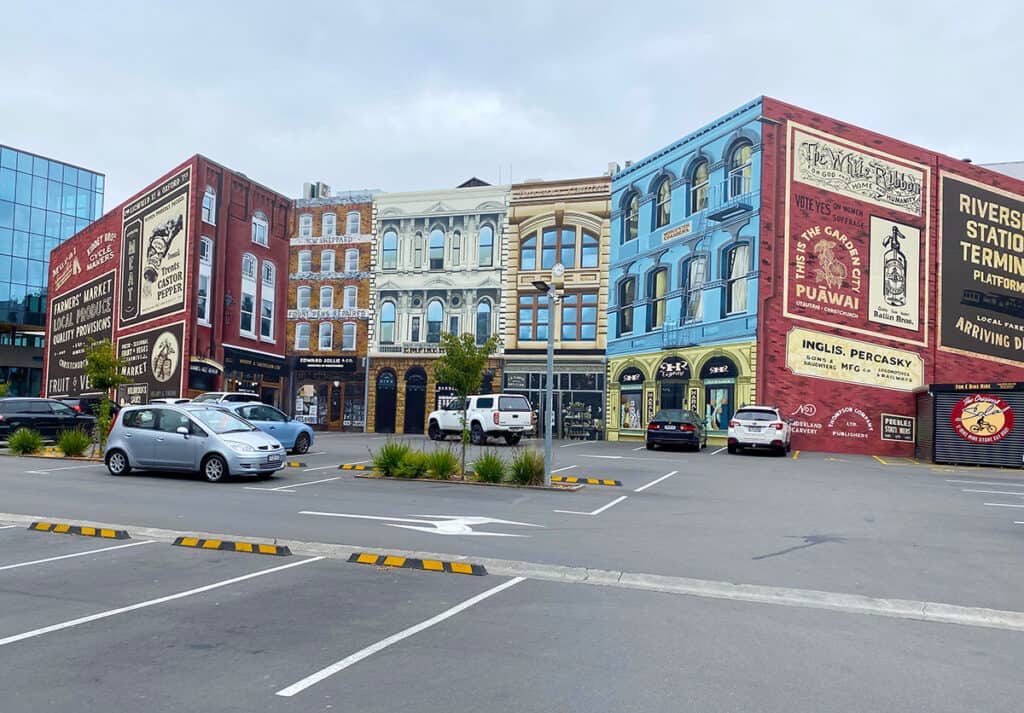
(77, 317)
(153, 364)
(981, 283)
(154, 251)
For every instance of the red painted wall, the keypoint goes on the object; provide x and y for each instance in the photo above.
(849, 187)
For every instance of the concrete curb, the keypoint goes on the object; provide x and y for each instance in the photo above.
(585, 481)
(256, 548)
(932, 612)
(84, 530)
(429, 565)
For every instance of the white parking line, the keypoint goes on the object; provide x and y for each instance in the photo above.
(987, 482)
(994, 492)
(655, 482)
(303, 485)
(148, 603)
(598, 511)
(564, 467)
(313, 679)
(570, 445)
(7, 527)
(639, 449)
(75, 554)
(1003, 505)
(715, 453)
(67, 467)
(319, 467)
(591, 455)
(268, 490)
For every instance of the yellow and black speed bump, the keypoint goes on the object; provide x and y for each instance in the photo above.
(295, 464)
(410, 563)
(351, 466)
(86, 530)
(584, 481)
(255, 548)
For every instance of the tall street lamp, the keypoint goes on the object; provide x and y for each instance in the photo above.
(551, 290)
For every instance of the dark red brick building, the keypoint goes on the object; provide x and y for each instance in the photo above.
(188, 278)
(884, 268)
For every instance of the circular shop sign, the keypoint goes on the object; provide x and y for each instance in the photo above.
(982, 419)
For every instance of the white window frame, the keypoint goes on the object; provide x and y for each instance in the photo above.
(392, 323)
(205, 280)
(328, 224)
(327, 265)
(306, 225)
(348, 336)
(268, 274)
(350, 297)
(305, 261)
(329, 291)
(330, 336)
(303, 294)
(260, 229)
(302, 337)
(352, 220)
(248, 288)
(352, 260)
(210, 206)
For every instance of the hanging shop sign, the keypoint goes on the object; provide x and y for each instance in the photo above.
(76, 317)
(826, 356)
(981, 284)
(152, 362)
(673, 368)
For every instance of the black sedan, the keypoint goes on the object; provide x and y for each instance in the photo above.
(676, 427)
(47, 416)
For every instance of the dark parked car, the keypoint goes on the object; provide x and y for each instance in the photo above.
(89, 405)
(676, 427)
(47, 416)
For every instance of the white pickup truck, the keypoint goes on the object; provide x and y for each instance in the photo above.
(489, 416)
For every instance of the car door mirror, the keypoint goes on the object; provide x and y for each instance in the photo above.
(183, 430)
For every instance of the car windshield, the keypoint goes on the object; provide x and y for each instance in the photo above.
(756, 415)
(206, 397)
(220, 421)
(674, 414)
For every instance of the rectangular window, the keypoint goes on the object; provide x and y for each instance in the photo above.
(327, 261)
(203, 302)
(305, 261)
(693, 303)
(326, 336)
(267, 319)
(627, 296)
(348, 336)
(302, 297)
(579, 317)
(329, 222)
(326, 297)
(351, 294)
(453, 325)
(533, 317)
(352, 260)
(302, 336)
(248, 305)
(259, 231)
(415, 330)
(738, 265)
(210, 207)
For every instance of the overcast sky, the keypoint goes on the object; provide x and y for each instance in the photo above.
(419, 95)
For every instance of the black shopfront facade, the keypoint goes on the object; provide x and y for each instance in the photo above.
(578, 393)
(256, 373)
(329, 392)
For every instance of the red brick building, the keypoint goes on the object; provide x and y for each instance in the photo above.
(188, 278)
(884, 268)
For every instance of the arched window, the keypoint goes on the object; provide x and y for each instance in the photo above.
(590, 252)
(327, 261)
(387, 323)
(699, 187)
(302, 336)
(350, 295)
(306, 226)
(348, 336)
(631, 218)
(626, 298)
(528, 252)
(327, 297)
(435, 318)
(267, 301)
(485, 252)
(352, 222)
(249, 263)
(483, 321)
(663, 210)
(389, 251)
(436, 249)
(210, 206)
(417, 247)
(329, 224)
(305, 261)
(326, 337)
(736, 265)
(657, 286)
(352, 260)
(740, 168)
(693, 276)
(302, 295)
(205, 271)
(260, 229)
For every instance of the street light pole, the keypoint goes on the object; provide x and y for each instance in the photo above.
(549, 390)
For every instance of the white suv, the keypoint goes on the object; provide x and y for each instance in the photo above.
(759, 427)
(490, 415)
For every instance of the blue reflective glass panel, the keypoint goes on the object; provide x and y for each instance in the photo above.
(35, 273)
(23, 189)
(38, 221)
(53, 193)
(6, 214)
(85, 180)
(5, 268)
(67, 226)
(19, 268)
(56, 171)
(52, 224)
(99, 183)
(6, 240)
(5, 290)
(18, 291)
(24, 162)
(81, 224)
(8, 158)
(40, 166)
(68, 197)
(36, 246)
(71, 175)
(83, 209)
(20, 248)
(38, 192)
(7, 180)
(22, 217)
(51, 243)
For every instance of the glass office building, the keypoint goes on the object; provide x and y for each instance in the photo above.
(42, 203)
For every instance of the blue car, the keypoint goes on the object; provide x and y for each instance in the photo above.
(293, 435)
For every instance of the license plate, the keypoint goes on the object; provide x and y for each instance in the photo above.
(670, 428)
(275, 458)
(755, 429)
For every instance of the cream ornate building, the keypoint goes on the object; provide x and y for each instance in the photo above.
(438, 260)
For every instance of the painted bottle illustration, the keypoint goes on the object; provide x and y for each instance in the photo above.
(894, 286)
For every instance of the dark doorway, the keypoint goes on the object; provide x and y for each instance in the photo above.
(387, 393)
(415, 400)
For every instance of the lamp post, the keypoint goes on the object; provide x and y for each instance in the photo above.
(551, 291)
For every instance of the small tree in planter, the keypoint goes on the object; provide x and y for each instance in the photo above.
(462, 368)
(104, 371)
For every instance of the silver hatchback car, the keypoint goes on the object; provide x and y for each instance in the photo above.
(190, 437)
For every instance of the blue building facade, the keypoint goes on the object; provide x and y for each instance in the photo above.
(683, 277)
(42, 203)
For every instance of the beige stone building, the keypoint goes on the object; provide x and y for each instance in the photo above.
(559, 222)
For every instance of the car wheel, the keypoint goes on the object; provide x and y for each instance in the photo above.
(512, 439)
(650, 446)
(781, 451)
(732, 449)
(215, 468)
(117, 463)
(476, 435)
(301, 443)
(434, 432)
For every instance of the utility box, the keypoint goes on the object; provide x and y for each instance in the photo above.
(972, 424)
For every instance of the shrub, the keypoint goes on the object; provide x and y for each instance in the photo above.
(489, 468)
(74, 442)
(412, 465)
(527, 468)
(25, 440)
(442, 464)
(390, 457)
